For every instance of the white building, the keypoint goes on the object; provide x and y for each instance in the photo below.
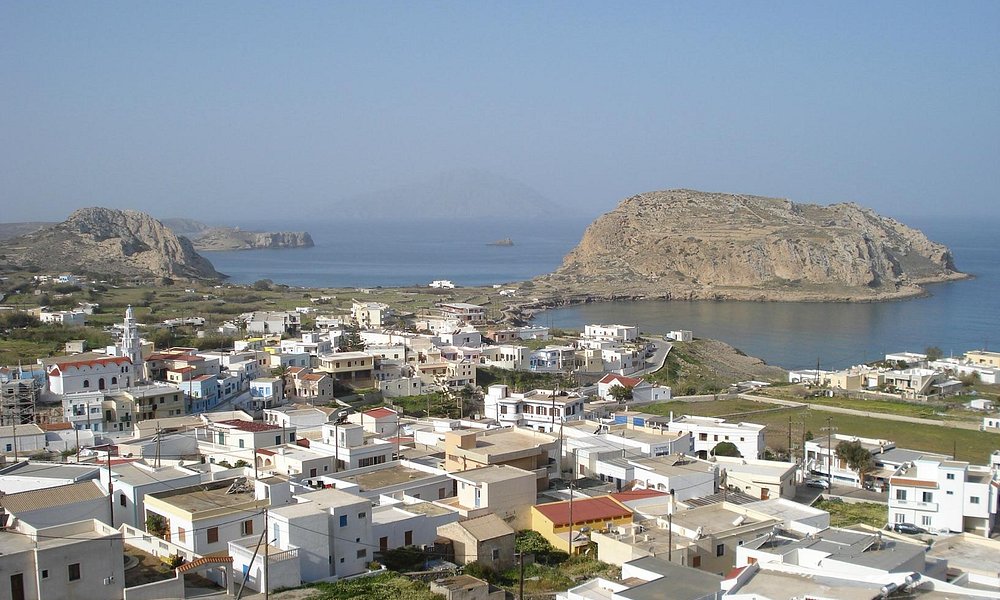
(542, 410)
(708, 432)
(73, 376)
(945, 495)
(67, 318)
(616, 333)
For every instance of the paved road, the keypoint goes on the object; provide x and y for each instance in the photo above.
(655, 361)
(861, 413)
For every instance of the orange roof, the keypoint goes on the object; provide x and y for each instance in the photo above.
(602, 508)
(313, 376)
(378, 413)
(56, 426)
(204, 560)
(118, 360)
(636, 495)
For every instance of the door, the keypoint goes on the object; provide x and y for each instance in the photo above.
(17, 586)
(383, 544)
(408, 538)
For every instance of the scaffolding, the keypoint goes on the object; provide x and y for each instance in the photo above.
(17, 401)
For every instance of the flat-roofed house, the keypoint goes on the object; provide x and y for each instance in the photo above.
(487, 540)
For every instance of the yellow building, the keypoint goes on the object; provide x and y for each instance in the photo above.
(984, 358)
(528, 450)
(555, 520)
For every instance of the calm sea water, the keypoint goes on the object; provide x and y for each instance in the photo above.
(955, 316)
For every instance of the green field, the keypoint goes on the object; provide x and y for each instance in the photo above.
(844, 514)
(968, 445)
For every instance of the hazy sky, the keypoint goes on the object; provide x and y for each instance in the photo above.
(203, 109)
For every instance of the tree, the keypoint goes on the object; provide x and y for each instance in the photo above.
(156, 525)
(621, 393)
(351, 340)
(726, 449)
(857, 457)
(933, 353)
(263, 285)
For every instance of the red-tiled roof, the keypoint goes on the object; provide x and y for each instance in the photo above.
(204, 560)
(204, 377)
(589, 509)
(254, 426)
(734, 572)
(313, 376)
(56, 426)
(266, 452)
(118, 360)
(378, 413)
(181, 369)
(636, 495)
(626, 381)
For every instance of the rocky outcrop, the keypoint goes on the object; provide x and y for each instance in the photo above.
(105, 241)
(695, 245)
(233, 238)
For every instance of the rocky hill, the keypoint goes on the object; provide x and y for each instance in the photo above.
(685, 244)
(108, 242)
(233, 238)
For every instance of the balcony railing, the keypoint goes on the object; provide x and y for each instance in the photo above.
(914, 504)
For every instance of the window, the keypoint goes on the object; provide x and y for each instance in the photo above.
(86, 383)
(181, 534)
(899, 517)
(950, 476)
(277, 439)
(9, 447)
(408, 538)
(720, 550)
(213, 535)
(925, 520)
(900, 494)
(496, 554)
(973, 499)
(122, 499)
(241, 443)
(74, 572)
(362, 515)
(343, 520)
(247, 527)
(928, 497)
(362, 553)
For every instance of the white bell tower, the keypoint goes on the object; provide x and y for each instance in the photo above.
(131, 347)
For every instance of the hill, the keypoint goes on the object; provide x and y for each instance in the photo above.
(686, 244)
(109, 242)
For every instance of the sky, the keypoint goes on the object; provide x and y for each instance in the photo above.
(224, 109)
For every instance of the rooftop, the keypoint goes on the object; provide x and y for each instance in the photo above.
(384, 477)
(590, 509)
(134, 474)
(712, 519)
(61, 495)
(486, 527)
(206, 497)
(492, 474)
(252, 426)
(678, 582)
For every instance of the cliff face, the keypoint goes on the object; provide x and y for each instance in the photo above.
(229, 238)
(112, 242)
(689, 244)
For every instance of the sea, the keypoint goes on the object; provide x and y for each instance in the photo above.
(955, 316)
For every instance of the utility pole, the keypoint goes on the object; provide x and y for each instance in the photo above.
(336, 446)
(789, 436)
(670, 528)
(571, 518)
(111, 489)
(157, 462)
(829, 452)
(520, 585)
(267, 546)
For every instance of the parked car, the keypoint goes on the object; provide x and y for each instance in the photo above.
(907, 528)
(818, 483)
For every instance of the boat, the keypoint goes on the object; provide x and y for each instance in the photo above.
(503, 242)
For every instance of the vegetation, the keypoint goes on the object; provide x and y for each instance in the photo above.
(156, 525)
(523, 381)
(621, 393)
(726, 449)
(857, 457)
(843, 514)
(384, 586)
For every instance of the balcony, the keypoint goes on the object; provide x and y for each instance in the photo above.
(913, 504)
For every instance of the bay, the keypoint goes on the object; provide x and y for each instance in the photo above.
(955, 316)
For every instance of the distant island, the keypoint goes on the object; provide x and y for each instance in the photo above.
(211, 238)
(690, 245)
(503, 242)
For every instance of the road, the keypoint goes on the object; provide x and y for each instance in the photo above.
(655, 361)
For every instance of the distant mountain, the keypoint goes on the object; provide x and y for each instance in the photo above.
(465, 194)
(189, 228)
(106, 241)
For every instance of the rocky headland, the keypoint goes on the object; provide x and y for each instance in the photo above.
(691, 245)
(105, 241)
(234, 238)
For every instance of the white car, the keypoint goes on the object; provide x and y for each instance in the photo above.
(817, 483)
